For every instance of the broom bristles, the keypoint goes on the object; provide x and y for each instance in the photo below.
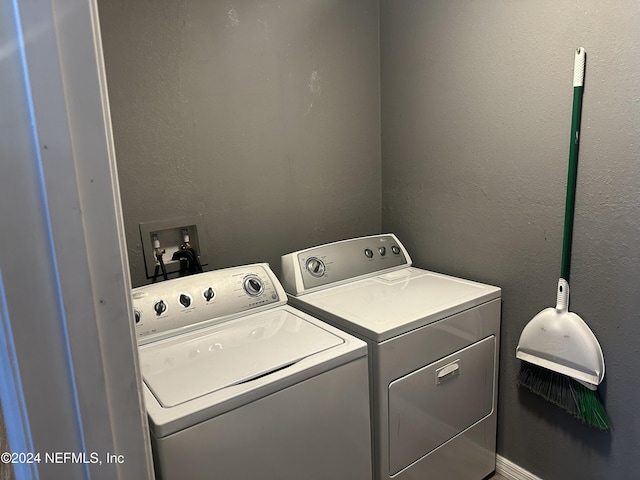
(567, 393)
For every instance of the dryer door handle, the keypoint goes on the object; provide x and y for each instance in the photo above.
(447, 372)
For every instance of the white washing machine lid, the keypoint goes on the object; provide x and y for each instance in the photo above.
(384, 306)
(179, 369)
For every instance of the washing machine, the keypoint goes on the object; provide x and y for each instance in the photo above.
(240, 385)
(433, 352)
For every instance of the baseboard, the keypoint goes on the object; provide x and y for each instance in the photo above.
(511, 471)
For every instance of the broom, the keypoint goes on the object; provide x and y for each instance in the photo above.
(563, 361)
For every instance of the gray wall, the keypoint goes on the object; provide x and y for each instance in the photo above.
(476, 108)
(262, 115)
(269, 125)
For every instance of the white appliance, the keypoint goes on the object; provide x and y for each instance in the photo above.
(239, 385)
(433, 352)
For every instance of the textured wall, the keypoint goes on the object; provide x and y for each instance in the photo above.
(261, 115)
(476, 108)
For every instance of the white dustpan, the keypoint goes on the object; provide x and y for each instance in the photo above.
(559, 340)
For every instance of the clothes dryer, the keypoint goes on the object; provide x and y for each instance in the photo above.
(433, 352)
(239, 385)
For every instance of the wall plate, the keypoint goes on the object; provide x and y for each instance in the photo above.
(170, 236)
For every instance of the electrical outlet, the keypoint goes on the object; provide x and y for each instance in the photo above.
(170, 236)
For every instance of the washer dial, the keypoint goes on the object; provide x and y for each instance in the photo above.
(315, 266)
(185, 300)
(160, 307)
(253, 285)
(208, 294)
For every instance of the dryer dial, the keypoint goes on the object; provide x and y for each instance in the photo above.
(315, 266)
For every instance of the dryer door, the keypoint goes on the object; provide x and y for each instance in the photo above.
(437, 402)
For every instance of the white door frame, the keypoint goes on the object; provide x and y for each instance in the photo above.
(65, 310)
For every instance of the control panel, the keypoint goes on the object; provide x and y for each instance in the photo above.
(339, 261)
(166, 308)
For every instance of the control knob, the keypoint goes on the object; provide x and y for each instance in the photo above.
(382, 251)
(395, 249)
(253, 286)
(160, 307)
(137, 315)
(368, 253)
(315, 266)
(185, 300)
(208, 294)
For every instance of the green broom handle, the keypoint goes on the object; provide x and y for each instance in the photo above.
(578, 87)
